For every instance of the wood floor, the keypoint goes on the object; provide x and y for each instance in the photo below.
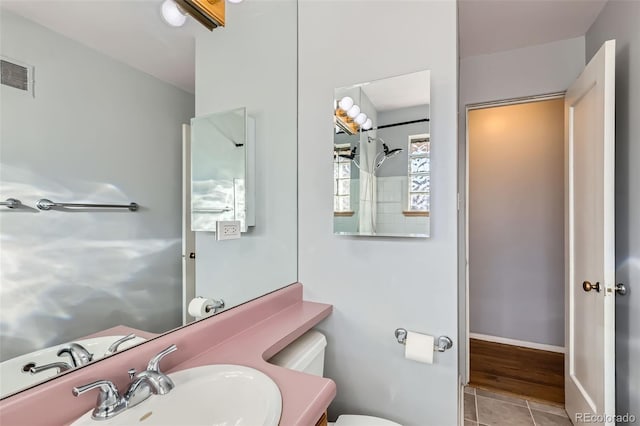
(529, 373)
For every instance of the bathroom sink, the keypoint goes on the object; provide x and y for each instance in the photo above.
(15, 378)
(220, 395)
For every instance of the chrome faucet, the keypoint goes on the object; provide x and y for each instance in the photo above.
(109, 402)
(79, 355)
(144, 384)
(60, 366)
(151, 381)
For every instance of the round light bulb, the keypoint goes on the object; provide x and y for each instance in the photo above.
(360, 118)
(345, 103)
(367, 124)
(353, 111)
(172, 14)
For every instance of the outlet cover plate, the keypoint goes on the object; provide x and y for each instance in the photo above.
(227, 229)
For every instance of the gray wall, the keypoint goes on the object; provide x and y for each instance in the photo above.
(252, 63)
(379, 284)
(529, 71)
(96, 131)
(516, 221)
(620, 20)
(398, 137)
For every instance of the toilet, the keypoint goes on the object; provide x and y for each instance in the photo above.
(306, 354)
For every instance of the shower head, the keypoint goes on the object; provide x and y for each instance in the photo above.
(350, 156)
(393, 152)
(390, 153)
(386, 153)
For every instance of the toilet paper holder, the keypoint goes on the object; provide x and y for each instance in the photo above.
(216, 306)
(442, 343)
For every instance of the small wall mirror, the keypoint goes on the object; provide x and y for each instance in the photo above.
(381, 157)
(222, 157)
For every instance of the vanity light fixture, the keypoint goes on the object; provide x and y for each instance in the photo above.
(173, 14)
(345, 103)
(210, 13)
(349, 117)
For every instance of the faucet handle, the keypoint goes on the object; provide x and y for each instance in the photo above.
(114, 346)
(109, 402)
(154, 363)
(60, 366)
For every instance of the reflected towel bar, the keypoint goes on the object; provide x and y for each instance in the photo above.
(222, 210)
(45, 204)
(12, 203)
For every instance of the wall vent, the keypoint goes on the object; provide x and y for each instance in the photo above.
(17, 75)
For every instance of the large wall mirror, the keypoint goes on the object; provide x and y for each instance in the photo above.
(381, 157)
(85, 117)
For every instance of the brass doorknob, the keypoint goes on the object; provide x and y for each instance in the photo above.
(587, 286)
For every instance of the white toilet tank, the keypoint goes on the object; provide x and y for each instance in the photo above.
(305, 354)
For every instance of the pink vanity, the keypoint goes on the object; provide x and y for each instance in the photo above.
(246, 335)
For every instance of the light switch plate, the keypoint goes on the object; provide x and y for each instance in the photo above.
(227, 229)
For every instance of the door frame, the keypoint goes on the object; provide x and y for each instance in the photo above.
(463, 250)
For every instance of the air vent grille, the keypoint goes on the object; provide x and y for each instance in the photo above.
(15, 75)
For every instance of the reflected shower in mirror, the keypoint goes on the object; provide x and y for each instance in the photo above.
(381, 157)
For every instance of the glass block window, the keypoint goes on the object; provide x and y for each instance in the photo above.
(341, 182)
(419, 173)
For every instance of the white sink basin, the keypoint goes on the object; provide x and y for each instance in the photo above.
(214, 395)
(14, 378)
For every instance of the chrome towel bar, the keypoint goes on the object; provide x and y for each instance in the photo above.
(442, 343)
(221, 210)
(12, 203)
(45, 204)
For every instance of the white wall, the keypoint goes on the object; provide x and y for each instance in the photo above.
(620, 20)
(516, 219)
(96, 131)
(252, 63)
(530, 71)
(379, 284)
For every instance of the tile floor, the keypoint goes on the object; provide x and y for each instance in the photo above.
(483, 408)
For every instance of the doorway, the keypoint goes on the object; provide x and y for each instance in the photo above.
(515, 240)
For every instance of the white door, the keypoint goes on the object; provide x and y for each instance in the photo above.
(188, 236)
(590, 241)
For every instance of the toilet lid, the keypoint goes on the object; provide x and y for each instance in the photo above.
(349, 420)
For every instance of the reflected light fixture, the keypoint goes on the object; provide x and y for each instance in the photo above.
(349, 117)
(173, 14)
(360, 118)
(235, 1)
(353, 111)
(345, 103)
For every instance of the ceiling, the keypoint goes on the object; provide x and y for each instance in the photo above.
(489, 26)
(130, 31)
(133, 32)
(399, 92)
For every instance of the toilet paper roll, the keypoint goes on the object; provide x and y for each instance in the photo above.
(419, 347)
(198, 307)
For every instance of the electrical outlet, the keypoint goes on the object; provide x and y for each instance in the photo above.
(227, 229)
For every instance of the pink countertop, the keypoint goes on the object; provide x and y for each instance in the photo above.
(246, 335)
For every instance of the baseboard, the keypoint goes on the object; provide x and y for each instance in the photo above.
(514, 342)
